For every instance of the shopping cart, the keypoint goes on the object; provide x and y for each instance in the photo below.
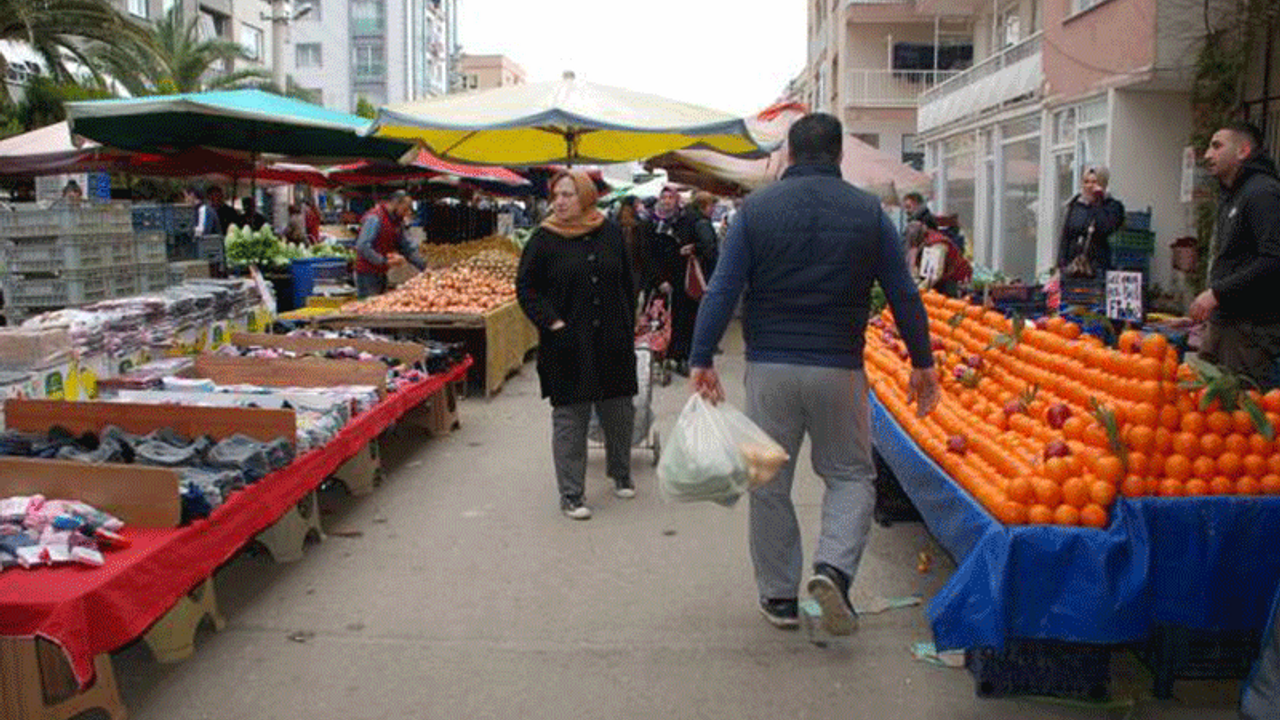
(654, 331)
(644, 436)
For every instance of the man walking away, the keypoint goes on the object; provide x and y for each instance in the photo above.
(1243, 333)
(807, 249)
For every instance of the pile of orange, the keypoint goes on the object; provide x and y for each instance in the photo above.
(992, 432)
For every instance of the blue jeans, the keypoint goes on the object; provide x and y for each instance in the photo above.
(370, 284)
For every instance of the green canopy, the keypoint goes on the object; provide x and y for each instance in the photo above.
(250, 121)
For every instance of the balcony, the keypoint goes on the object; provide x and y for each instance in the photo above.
(1014, 72)
(891, 88)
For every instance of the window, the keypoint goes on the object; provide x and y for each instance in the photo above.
(313, 13)
(213, 26)
(368, 17)
(138, 8)
(166, 6)
(308, 55)
(872, 139)
(251, 41)
(911, 154)
(1082, 5)
(1020, 197)
(1008, 25)
(369, 61)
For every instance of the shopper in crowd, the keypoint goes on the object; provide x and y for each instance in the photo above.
(254, 219)
(697, 238)
(382, 244)
(1084, 249)
(951, 271)
(663, 236)
(807, 250)
(632, 235)
(1243, 333)
(215, 215)
(574, 283)
(71, 193)
(914, 206)
(311, 220)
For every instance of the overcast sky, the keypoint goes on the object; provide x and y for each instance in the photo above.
(724, 54)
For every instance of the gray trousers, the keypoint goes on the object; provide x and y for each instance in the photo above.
(569, 442)
(830, 404)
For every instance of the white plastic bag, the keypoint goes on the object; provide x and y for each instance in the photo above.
(715, 453)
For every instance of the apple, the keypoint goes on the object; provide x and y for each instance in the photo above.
(1013, 407)
(1057, 415)
(957, 444)
(937, 344)
(961, 371)
(1042, 323)
(974, 361)
(1056, 448)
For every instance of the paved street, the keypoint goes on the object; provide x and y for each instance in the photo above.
(457, 590)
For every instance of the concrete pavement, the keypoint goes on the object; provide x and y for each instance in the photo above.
(457, 590)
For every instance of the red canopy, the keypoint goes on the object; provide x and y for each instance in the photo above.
(423, 166)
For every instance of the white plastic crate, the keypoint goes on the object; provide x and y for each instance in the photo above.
(150, 248)
(86, 219)
(71, 288)
(122, 281)
(153, 277)
(54, 255)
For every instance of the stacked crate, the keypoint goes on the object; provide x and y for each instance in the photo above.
(68, 256)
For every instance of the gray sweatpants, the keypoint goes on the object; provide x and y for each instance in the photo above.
(569, 425)
(830, 404)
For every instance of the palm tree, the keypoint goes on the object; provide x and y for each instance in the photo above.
(60, 30)
(175, 60)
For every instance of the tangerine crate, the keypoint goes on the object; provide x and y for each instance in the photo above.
(1076, 671)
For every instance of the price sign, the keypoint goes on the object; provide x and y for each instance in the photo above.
(1124, 296)
(932, 259)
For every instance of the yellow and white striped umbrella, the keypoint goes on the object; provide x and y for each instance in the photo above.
(565, 121)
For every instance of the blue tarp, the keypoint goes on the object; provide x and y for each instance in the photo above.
(1204, 564)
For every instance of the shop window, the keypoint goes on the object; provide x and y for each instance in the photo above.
(308, 55)
(1020, 198)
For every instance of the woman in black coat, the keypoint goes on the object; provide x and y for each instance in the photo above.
(575, 285)
(1091, 213)
(697, 238)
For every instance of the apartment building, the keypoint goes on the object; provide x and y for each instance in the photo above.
(245, 22)
(483, 72)
(386, 51)
(1058, 86)
(869, 61)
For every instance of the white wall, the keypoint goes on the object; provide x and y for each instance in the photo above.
(869, 46)
(331, 28)
(1148, 133)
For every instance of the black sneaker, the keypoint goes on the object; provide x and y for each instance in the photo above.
(830, 588)
(573, 508)
(781, 612)
(624, 489)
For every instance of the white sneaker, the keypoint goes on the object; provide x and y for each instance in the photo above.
(625, 489)
(575, 509)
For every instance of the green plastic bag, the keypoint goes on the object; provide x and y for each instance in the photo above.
(715, 454)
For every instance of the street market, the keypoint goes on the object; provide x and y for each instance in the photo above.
(495, 400)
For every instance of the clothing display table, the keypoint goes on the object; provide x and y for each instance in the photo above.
(1204, 563)
(91, 611)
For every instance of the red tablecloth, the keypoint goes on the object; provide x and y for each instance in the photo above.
(88, 611)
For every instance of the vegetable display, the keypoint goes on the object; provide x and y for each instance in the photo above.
(462, 290)
(439, 255)
(263, 248)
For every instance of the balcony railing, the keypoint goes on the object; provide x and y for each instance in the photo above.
(891, 88)
(990, 66)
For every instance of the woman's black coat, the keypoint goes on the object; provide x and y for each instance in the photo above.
(1106, 216)
(586, 282)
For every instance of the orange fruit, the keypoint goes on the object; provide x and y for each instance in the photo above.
(1154, 345)
(1095, 436)
(1145, 414)
(1152, 486)
(1222, 486)
(1247, 486)
(1130, 341)
(1075, 462)
(1212, 444)
(1055, 468)
(1186, 444)
(1155, 466)
(1073, 427)
(1192, 422)
(1185, 404)
(1259, 445)
(1219, 422)
(1093, 516)
(1273, 463)
(1133, 486)
(1171, 488)
(1255, 465)
(1243, 422)
(1236, 443)
(1149, 369)
(1021, 491)
(1075, 491)
(1012, 513)
(1138, 464)
(1230, 465)
(1039, 515)
(1195, 486)
(1102, 493)
(1204, 468)
(1170, 417)
(1066, 515)
(1270, 484)
(1141, 438)
(1271, 401)
(1110, 469)
(1047, 492)
(1177, 467)
(1163, 440)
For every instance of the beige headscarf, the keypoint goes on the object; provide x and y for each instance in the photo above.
(589, 218)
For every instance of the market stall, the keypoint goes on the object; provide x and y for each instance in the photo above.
(1082, 491)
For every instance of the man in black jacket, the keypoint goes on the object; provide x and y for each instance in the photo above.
(1243, 333)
